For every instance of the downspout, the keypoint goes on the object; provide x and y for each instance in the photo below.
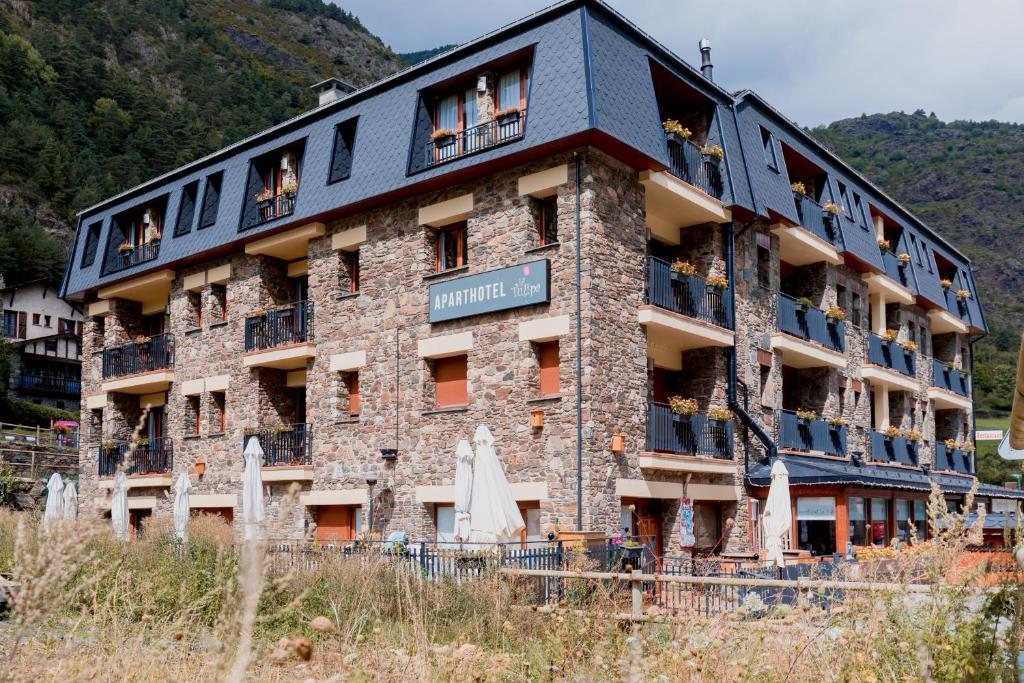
(579, 354)
(974, 398)
(748, 421)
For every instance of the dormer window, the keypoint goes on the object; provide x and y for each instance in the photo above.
(135, 236)
(273, 185)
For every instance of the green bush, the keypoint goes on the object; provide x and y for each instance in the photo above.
(31, 415)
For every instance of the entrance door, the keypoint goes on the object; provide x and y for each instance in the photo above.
(646, 521)
(136, 519)
(335, 523)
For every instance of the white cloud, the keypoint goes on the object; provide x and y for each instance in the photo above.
(816, 60)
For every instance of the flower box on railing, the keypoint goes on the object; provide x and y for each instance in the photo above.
(148, 456)
(671, 432)
(689, 163)
(689, 295)
(802, 433)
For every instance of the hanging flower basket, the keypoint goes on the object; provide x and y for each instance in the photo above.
(891, 433)
(682, 407)
(836, 423)
(716, 282)
(946, 283)
(963, 294)
(684, 268)
(799, 188)
(903, 258)
(714, 152)
(890, 335)
(806, 416)
(675, 130)
(804, 303)
(884, 244)
(830, 209)
(722, 415)
(908, 346)
(835, 312)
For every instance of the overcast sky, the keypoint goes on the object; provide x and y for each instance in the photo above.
(816, 60)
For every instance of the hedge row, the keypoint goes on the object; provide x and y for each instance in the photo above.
(29, 414)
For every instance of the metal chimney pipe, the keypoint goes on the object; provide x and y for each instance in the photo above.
(705, 59)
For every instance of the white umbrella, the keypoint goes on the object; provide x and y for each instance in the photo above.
(119, 506)
(181, 507)
(494, 516)
(463, 489)
(253, 512)
(54, 500)
(777, 517)
(70, 501)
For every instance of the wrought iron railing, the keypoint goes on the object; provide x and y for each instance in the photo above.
(50, 383)
(289, 324)
(131, 257)
(153, 456)
(896, 269)
(277, 206)
(890, 354)
(950, 379)
(815, 219)
(810, 435)
(893, 449)
(688, 294)
(953, 459)
(489, 134)
(811, 324)
(283, 444)
(690, 435)
(688, 163)
(155, 353)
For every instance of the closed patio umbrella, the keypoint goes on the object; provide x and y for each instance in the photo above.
(777, 517)
(181, 507)
(54, 500)
(70, 501)
(119, 506)
(463, 489)
(253, 512)
(494, 516)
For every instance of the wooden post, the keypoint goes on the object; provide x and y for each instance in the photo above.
(638, 594)
(32, 468)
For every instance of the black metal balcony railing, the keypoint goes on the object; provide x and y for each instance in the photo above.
(277, 206)
(489, 134)
(54, 384)
(691, 165)
(155, 456)
(893, 449)
(810, 435)
(156, 353)
(814, 218)
(688, 294)
(284, 444)
(890, 354)
(895, 269)
(126, 258)
(289, 324)
(950, 379)
(811, 324)
(953, 459)
(688, 435)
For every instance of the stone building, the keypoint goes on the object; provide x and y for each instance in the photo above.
(635, 278)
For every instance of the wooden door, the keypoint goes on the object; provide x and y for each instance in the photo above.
(335, 523)
(647, 521)
(227, 514)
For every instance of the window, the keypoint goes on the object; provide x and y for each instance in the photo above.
(192, 421)
(35, 319)
(66, 326)
(348, 272)
(764, 260)
(879, 521)
(46, 321)
(855, 309)
(547, 357)
(921, 519)
(354, 400)
(841, 297)
(444, 522)
(219, 418)
(92, 243)
(450, 386)
(547, 225)
(211, 201)
(15, 324)
(451, 247)
(195, 308)
(50, 345)
(344, 146)
(858, 211)
(512, 87)
(219, 297)
(770, 157)
(187, 209)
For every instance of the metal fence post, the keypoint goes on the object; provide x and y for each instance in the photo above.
(638, 594)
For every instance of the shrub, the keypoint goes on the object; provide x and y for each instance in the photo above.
(30, 414)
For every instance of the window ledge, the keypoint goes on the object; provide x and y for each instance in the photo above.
(214, 435)
(347, 295)
(193, 330)
(219, 323)
(545, 399)
(192, 437)
(552, 246)
(351, 420)
(442, 411)
(444, 273)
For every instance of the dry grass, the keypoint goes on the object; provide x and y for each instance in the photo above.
(92, 607)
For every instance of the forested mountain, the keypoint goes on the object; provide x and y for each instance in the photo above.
(422, 55)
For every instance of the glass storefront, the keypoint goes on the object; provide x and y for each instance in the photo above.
(921, 519)
(879, 521)
(903, 520)
(858, 521)
(816, 524)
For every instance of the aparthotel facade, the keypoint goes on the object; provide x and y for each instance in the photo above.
(507, 234)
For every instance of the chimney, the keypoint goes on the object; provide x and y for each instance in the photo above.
(705, 59)
(331, 90)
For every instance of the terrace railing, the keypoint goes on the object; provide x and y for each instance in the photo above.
(811, 324)
(893, 449)
(155, 353)
(132, 257)
(284, 444)
(953, 459)
(810, 435)
(688, 294)
(54, 384)
(289, 324)
(895, 269)
(890, 354)
(689, 164)
(478, 138)
(950, 379)
(155, 456)
(689, 435)
(814, 219)
(276, 207)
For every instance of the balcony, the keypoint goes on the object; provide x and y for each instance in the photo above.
(808, 338)
(812, 241)
(890, 365)
(281, 338)
(816, 436)
(149, 458)
(476, 139)
(278, 206)
(286, 447)
(50, 384)
(893, 449)
(687, 194)
(952, 317)
(131, 256)
(688, 163)
(144, 366)
(953, 459)
(668, 432)
(895, 269)
(950, 379)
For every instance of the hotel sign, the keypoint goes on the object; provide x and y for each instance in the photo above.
(496, 290)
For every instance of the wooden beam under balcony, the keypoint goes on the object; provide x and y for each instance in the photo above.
(290, 245)
(151, 290)
(800, 246)
(292, 357)
(142, 383)
(948, 400)
(672, 204)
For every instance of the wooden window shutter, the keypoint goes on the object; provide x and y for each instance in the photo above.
(547, 354)
(450, 382)
(22, 324)
(354, 400)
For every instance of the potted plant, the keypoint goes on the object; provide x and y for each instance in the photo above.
(712, 152)
(904, 258)
(716, 282)
(806, 416)
(913, 436)
(799, 188)
(890, 335)
(968, 447)
(684, 268)
(946, 283)
(892, 432)
(908, 346)
(804, 303)
(963, 294)
(507, 115)
(124, 247)
(884, 244)
(442, 136)
(951, 444)
(830, 210)
(835, 312)
(682, 407)
(290, 188)
(675, 131)
(720, 414)
(142, 339)
(836, 423)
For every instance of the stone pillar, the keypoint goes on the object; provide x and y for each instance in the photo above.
(880, 395)
(879, 227)
(878, 313)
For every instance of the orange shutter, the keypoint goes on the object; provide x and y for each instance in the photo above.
(548, 356)
(353, 393)
(450, 381)
(334, 523)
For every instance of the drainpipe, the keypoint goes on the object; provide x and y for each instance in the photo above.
(579, 355)
(974, 398)
(748, 421)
